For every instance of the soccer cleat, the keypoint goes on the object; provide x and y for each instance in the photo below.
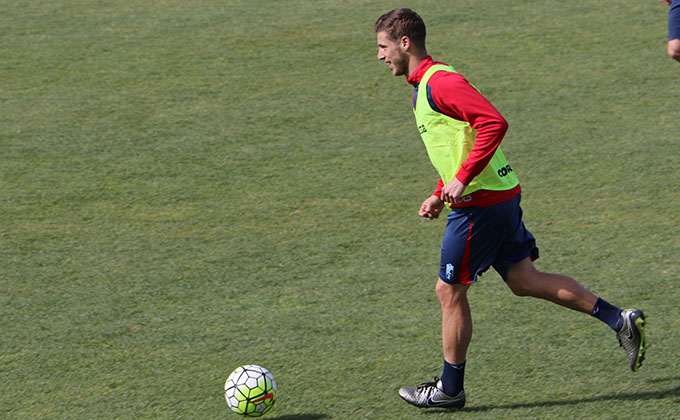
(429, 394)
(631, 337)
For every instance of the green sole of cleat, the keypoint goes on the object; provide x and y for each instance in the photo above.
(640, 323)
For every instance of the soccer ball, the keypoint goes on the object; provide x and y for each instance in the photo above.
(250, 390)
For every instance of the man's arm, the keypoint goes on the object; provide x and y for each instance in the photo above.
(456, 98)
(431, 207)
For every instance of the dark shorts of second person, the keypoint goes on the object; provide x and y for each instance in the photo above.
(674, 21)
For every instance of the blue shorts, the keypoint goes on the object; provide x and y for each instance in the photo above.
(477, 238)
(674, 21)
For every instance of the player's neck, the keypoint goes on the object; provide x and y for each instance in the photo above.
(415, 60)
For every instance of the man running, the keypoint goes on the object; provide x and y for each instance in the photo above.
(462, 132)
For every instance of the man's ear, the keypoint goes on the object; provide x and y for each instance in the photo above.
(405, 43)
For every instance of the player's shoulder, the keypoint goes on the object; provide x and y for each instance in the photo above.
(444, 76)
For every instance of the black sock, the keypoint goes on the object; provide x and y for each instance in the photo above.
(608, 313)
(452, 378)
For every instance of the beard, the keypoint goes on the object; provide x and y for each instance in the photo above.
(400, 65)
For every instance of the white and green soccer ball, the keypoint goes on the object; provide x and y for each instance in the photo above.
(250, 390)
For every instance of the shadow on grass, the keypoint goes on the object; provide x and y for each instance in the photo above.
(668, 379)
(631, 396)
(302, 417)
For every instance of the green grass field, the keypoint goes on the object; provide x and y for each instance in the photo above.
(191, 185)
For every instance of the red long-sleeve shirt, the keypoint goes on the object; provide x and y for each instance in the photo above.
(458, 99)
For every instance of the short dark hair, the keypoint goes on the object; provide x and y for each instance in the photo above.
(402, 22)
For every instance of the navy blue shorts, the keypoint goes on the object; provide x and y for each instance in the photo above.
(477, 238)
(674, 21)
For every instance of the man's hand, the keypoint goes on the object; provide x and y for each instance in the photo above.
(453, 192)
(431, 207)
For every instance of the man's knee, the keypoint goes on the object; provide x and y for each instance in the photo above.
(521, 277)
(519, 287)
(519, 290)
(450, 294)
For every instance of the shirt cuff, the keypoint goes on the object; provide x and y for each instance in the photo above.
(464, 176)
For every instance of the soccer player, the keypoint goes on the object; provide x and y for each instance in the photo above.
(673, 29)
(462, 132)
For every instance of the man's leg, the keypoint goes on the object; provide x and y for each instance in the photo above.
(456, 334)
(456, 320)
(524, 280)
